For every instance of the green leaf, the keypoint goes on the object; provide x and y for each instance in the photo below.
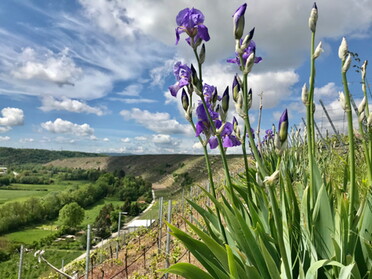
(188, 271)
(231, 262)
(313, 269)
(271, 266)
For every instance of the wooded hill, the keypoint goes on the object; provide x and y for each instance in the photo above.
(15, 156)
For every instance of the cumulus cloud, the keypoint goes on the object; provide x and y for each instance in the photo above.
(50, 103)
(140, 138)
(11, 117)
(57, 68)
(132, 90)
(6, 138)
(159, 122)
(125, 140)
(328, 90)
(60, 126)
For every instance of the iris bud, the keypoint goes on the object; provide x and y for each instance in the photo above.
(313, 18)
(236, 88)
(249, 99)
(362, 105)
(239, 21)
(361, 116)
(283, 126)
(342, 100)
(249, 63)
(194, 76)
(343, 49)
(369, 120)
(346, 64)
(225, 100)
(247, 39)
(304, 95)
(185, 100)
(272, 178)
(318, 51)
(202, 54)
(363, 69)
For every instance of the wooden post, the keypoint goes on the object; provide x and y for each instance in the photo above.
(160, 221)
(20, 263)
(167, 249)
(87, 261)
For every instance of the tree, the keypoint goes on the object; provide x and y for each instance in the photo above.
(71, 215)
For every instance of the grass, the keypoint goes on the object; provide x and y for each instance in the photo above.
(31, 267)
(29, 235)
(92, 212)
(21, 192)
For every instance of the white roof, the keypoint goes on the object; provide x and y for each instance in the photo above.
(140, 223)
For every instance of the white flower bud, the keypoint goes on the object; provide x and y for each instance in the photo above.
(361, 116)
(342, 100)
(318, 50)
(272, 178)
(249, 63)
(343, 49)
(363, 69)
(362, 105)
(369, 120)
(313, 18)
(239, 106)
(346, 64)
(304, 94)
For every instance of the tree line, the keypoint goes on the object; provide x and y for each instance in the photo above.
(14, 215)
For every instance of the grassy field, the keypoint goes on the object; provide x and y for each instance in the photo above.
(92, 212)
(20, 192)
(31, 267)
(29, 235)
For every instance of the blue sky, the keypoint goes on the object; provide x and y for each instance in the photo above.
(93, 75)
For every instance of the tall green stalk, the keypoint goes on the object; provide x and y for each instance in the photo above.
(351, 161)
(253, 146)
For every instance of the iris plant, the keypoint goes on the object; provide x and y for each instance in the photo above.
(285, 218)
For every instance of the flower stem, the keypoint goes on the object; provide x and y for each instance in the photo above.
(248, 126)
(244, 149)
(211, 182)
(352, 193)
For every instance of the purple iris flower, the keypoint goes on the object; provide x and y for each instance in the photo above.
(209, 91)
(269, 134)
(191, 22)
(228, 139)
(183, 76)
(252, 131)
(247, 51)
(203, 125)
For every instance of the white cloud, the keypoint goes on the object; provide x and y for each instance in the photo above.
(26, 140)
(106, 139)
(140, 138)
(11, 117)
(50, 103)
(57, 68)
(328, 90)
(6, 138)
(161, 138)
(132, 90)
(134, 100)
(110, 16)
(125, 140)
(159, 122)
(60, 126)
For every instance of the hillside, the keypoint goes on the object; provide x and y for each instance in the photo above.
(15, 156)
(161, 170)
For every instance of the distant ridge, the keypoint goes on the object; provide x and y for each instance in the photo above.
(18, 156)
